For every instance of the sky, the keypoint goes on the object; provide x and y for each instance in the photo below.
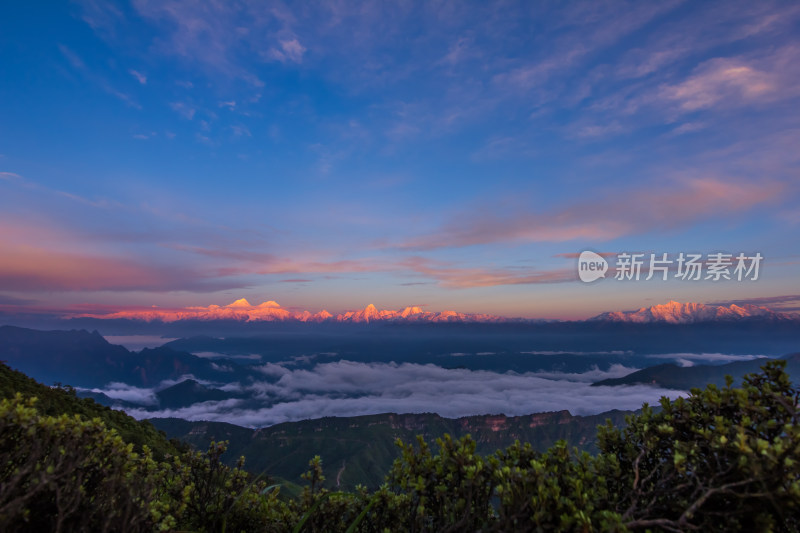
(450, 155)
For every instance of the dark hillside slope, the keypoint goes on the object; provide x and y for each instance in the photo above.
(57, 401)
(361, 449)
(84, 359)
(672, 376)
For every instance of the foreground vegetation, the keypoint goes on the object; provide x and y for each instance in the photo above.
(724, 459)
(360, 450)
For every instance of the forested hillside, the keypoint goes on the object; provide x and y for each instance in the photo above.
(55, 401)
(719, 460)
(360, 450)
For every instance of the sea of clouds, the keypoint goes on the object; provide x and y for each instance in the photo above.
(347, 388)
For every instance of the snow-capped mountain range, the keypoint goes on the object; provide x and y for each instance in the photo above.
(689, 313)
(270, 311)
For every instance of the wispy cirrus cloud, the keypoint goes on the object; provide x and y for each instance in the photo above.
(10, 176)
(23, 182)
(39, 255)
(73, 58)
(79, 66)
(575, 255)
(445, 273)
(33, 268)
(573, 60)
(183, 109)
(683, 39)
(289, 50)
(694, 66)
(583, 28)
(237, 263)
(218, 36)
(459, 277)
(141, 78)
(685, 202)
(731, 82)
(101, 16)
(711, 87)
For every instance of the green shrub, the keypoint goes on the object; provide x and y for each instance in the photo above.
(720, 460)
(207, 495)
(63, 473)
(450, 491)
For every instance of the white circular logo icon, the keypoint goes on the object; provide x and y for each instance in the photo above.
(591, 266)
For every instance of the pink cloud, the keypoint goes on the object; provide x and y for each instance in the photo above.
(575, 255)
(730, 82)
(683, 203)
(290, 50)
(30, 268)
(50, 257)
(445, 273)
(721, 80)
(460, 278)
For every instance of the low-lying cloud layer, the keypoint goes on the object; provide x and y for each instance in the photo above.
(346, 388)
(690, 359)
(127, 393)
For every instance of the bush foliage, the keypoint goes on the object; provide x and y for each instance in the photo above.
(722, 459)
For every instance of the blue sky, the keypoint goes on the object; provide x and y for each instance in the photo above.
(450, 155)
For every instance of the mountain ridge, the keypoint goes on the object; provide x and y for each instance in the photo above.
(361, 449)
(672, 376)
(674, 312)
(84, 359)
(242, 310)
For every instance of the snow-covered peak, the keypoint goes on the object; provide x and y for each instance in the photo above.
(690, 312)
